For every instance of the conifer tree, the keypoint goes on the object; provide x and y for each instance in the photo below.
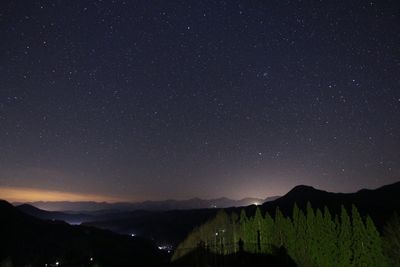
(345, 251)
(360, 256)
(374, 245)
(299, 251)
(318, 239)
(258, 234)
(312, 248)
(251, 233)
(289, 235)
(244, 230)
(329, 241)
(234, 235)
(213, 238)
(267, 230)
(278, 232)
(204, 233)
(221, 222)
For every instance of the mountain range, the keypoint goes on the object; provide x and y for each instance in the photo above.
(71, 218)
(163, 227)
(172, 226)
(104, 207)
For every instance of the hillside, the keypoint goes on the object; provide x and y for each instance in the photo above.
(28, 240)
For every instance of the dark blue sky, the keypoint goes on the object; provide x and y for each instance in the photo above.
(176, 99)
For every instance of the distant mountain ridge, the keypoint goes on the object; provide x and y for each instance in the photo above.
(76, 218)
(194, 203)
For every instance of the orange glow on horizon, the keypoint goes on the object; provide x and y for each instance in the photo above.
(21, 194)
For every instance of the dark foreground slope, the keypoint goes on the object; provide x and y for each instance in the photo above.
(28, 240)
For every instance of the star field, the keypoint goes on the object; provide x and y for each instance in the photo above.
(154, 100)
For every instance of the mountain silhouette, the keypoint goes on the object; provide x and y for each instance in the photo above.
(379, 203)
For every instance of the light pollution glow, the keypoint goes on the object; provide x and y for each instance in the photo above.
(21, 194)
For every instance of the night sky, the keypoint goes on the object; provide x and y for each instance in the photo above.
(135, 100)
